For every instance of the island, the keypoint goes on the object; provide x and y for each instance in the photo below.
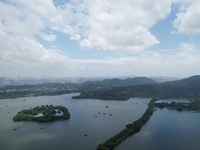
(45, 113)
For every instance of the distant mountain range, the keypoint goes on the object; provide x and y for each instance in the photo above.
(111, 83)
(111, 89)
(117, 89)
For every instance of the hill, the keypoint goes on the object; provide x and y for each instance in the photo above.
(185, 88)
(111, 83)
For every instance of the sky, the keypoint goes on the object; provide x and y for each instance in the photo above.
(99, 38)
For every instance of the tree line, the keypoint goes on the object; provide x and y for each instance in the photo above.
(181, 106)
(129, 130)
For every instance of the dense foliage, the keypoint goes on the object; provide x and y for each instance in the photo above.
(129, 130)
(111, 83)
(181, 106)
(43, 114)
(111, 89)
(186, 88)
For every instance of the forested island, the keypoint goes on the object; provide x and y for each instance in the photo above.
(45, 113)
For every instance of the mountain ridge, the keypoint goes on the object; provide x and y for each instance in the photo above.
(184, 88)
(115, 82)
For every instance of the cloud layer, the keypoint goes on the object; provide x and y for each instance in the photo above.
(122, 25)
(95, 24)
(187, 18)
(98, 25)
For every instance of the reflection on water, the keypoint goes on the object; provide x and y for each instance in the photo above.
(97, 119)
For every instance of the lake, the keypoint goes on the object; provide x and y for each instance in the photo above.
(167, 130)
(91, 123)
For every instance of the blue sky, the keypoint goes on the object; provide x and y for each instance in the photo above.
(99, 38)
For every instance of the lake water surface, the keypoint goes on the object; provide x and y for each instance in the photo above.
(167, 130)
(92, 122)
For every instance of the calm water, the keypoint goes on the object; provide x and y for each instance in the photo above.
(173, 100)
(167, 130)
(97, 119)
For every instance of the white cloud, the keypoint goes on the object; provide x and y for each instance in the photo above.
(122, 25)
(29, 58)
(108, 25)
(187, 18)
(75, 37)
(48, 37)
(16, 22)
(179, 63)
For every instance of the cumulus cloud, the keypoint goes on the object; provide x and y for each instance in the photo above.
(181, 62)
(107, 25)
(120, 26)
(32, 59)
(29, 58)
(48, 37)
(187, 18)
(16, 22)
